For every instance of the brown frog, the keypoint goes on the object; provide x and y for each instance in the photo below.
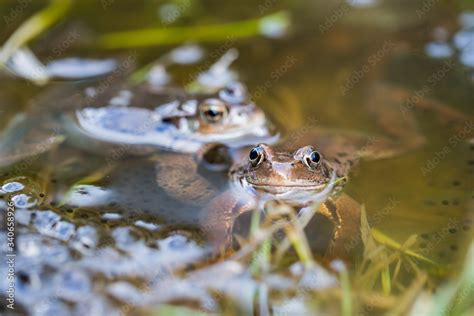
(300, 178)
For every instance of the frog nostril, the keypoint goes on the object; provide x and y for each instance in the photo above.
(283, 170)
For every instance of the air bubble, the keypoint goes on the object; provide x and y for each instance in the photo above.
(439, 50)
(146, 225)
(24, 200)
(111, 216)
(12, 187)
(177, 241)
(186, 55)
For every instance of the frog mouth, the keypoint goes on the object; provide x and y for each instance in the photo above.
(280, 188)
(299, 193)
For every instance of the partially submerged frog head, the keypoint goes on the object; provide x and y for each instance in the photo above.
(285, 175)
(226, 116)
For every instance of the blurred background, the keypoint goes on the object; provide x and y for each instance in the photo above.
(308, 64)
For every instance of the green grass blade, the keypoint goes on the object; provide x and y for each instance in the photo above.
(387, 241)
(386, 283)
(196, 33)
(346, 302)
(255, 223)
(261, 258)
(32, 27)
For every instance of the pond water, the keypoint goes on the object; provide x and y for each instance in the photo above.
(98, 234)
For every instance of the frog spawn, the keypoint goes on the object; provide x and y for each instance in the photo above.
(448, 242)
(21, 192)
(57, 261)
(61, 255)
(58, 256)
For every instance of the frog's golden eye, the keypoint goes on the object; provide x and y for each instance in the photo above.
(256, 156)
(312, 159)
(213, 110)
(234, 93)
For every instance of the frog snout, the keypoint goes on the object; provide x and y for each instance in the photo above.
(282, 170)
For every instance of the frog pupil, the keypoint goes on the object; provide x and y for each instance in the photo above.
(253, 154)
(213, 113)
(315, 157)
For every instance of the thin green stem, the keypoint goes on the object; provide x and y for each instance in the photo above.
(32, 27)
(199, 33)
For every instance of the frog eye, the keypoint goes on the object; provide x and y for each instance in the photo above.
(213, 110)
(256, 156)
(234, 93)
(312, 159)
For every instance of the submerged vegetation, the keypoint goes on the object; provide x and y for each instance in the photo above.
(272, 270)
